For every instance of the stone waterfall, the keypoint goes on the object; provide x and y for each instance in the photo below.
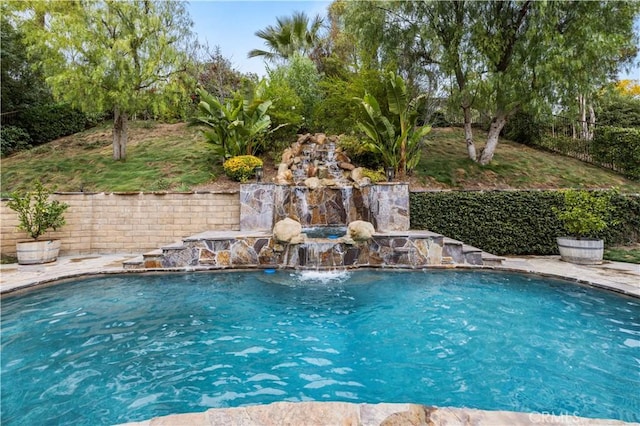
(319, 188)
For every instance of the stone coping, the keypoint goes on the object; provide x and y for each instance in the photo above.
(619, 277)
(348, 414)
(614, 276)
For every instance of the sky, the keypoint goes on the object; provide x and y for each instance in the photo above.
(231, 25)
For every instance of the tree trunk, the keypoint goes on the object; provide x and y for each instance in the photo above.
(468, 133)
(592, 122)
(584, 126)
(497, 124)
(120, 134)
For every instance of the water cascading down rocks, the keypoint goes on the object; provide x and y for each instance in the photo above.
(318, 186)
(320, 213)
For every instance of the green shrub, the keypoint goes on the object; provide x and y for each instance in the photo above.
(337, 112)
(356, 151)
(585, 213)
(13, 139)
(618, 147)
(375, 175)
(619, 111)
(286, 111)
(439, 119)
(45, 123)
(242, 167)
(302, 76)
(35, 212)
(513, 222)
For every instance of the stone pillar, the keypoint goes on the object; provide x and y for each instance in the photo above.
(389, 206)
(257, 201)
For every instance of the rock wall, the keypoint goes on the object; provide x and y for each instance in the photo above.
(385, 205)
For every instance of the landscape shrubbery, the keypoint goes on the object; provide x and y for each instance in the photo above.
(45, 123)
(513, 222)
(41, 124)
(619, 147)
(12, 139)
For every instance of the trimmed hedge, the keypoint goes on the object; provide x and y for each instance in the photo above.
(619, 147)
(512, 222)
(45, 123)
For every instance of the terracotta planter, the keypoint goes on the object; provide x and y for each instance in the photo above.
(582, 251)
(35, 252)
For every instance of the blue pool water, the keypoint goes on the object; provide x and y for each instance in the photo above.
(127, 348)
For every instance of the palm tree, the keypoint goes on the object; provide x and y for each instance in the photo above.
(291, 35)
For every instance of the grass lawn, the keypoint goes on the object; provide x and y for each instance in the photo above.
(159, 157)
(445, 163)
(176, 157)
(623, 254)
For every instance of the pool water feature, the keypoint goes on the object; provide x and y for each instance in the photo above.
(330, 232)
(128, 348)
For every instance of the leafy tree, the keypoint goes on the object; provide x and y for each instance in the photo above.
(295, 34)
(287, 109)
(618, 106)
(110, 55)
(506, 56)
(335, 52)
(629, 87)
(301, 76)
(217, 75)
(337, 110)
(396, 138)
(21, 84)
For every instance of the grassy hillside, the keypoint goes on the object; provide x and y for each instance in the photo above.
(175, 157)
(446, 164)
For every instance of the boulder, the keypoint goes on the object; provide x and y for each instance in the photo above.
(287, 156)
(284, 175)
(321, 138)
(346, 166)
(357, 174)
(341, 157)
(312, 183)
(288, 231)
(359, 230)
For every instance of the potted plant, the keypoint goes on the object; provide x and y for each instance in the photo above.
(584, 214)
(37, 215)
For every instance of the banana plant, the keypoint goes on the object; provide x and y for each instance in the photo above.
(236, 126)
(395, 138)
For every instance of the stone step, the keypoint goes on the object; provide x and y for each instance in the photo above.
(153, 259)
(239, 249)
(489, 259)
(133, 263)
(472, 255)
(179, 245)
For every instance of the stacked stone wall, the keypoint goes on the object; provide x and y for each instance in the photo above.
(129, 222)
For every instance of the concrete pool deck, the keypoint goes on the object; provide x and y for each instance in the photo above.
(616, 276)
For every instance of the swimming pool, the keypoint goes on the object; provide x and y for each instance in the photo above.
(126, 348)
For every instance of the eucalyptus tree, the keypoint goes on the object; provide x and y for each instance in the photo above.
(296, 34)
(111, 55)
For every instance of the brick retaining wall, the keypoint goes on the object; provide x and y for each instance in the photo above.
(130, 222)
